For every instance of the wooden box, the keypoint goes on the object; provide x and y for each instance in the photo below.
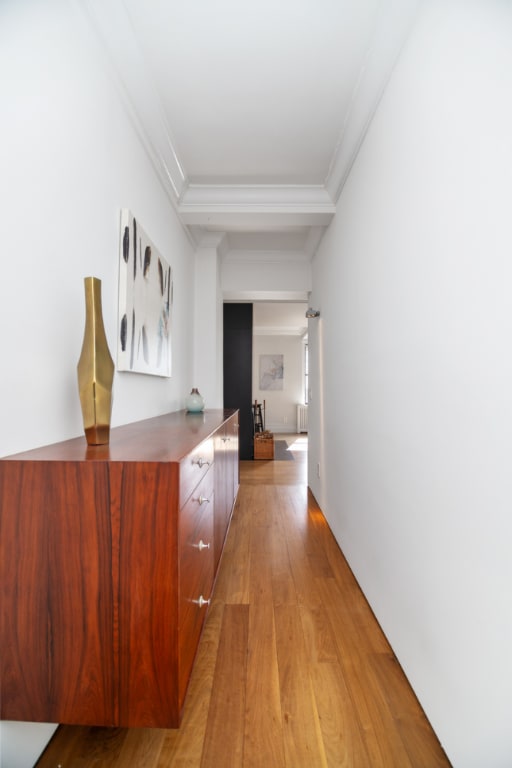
(264, 446)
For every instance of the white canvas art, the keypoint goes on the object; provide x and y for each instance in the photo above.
(271, 372)
(145, 303)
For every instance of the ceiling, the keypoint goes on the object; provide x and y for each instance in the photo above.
(255, 93)
(252, 112)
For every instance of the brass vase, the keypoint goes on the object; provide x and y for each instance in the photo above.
(95, 369)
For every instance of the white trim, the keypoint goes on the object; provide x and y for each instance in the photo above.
(284, 331)
(114, 31)
(257, 194)
(258, 206)
(250, 296)
(391, 33)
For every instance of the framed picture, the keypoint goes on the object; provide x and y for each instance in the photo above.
(271, 372)
(145, 303)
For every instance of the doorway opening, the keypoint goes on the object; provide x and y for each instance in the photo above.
(275, 350)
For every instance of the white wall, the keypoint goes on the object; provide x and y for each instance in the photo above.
(70, 160)
(208, 325)
(247, 276)
(280, 405)
(411, 411)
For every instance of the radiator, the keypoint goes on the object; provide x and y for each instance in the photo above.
(302, 418)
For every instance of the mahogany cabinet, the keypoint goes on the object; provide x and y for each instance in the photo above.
(108, 557)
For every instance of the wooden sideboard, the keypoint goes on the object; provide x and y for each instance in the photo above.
(108, 556)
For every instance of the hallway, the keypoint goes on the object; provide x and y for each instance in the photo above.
(282, 678)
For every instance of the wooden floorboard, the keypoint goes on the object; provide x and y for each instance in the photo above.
(263, 730)
(292, 669)
(226, 714)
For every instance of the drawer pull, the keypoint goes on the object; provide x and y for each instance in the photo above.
(202, 545)
(201, 602)
(203, 500)
(201, 462)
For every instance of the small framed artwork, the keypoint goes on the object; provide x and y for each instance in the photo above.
(271, 372)
(145, 303)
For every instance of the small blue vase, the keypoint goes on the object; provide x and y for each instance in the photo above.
(195, 402)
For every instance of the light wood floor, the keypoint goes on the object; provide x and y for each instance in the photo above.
(292, 669)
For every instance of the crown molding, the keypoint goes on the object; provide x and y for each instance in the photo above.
(391, 34)
(276, 331)
(260, 206)
(314, 197)
(128, 68)
(251, 296)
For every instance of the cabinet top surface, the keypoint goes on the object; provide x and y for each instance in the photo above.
(163, 438)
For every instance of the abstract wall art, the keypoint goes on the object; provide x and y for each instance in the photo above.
(271, 372)
(145, 303)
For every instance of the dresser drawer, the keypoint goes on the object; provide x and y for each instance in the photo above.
(199, 501)
(196, 576)
(196, 565)
(194, 467)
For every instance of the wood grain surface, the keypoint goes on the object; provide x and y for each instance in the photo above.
(292, 668)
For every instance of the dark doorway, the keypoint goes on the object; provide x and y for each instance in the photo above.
(238, 370)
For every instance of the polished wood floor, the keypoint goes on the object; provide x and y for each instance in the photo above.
(292, 670)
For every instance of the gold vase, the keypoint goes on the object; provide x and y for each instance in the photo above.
(95, 369)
